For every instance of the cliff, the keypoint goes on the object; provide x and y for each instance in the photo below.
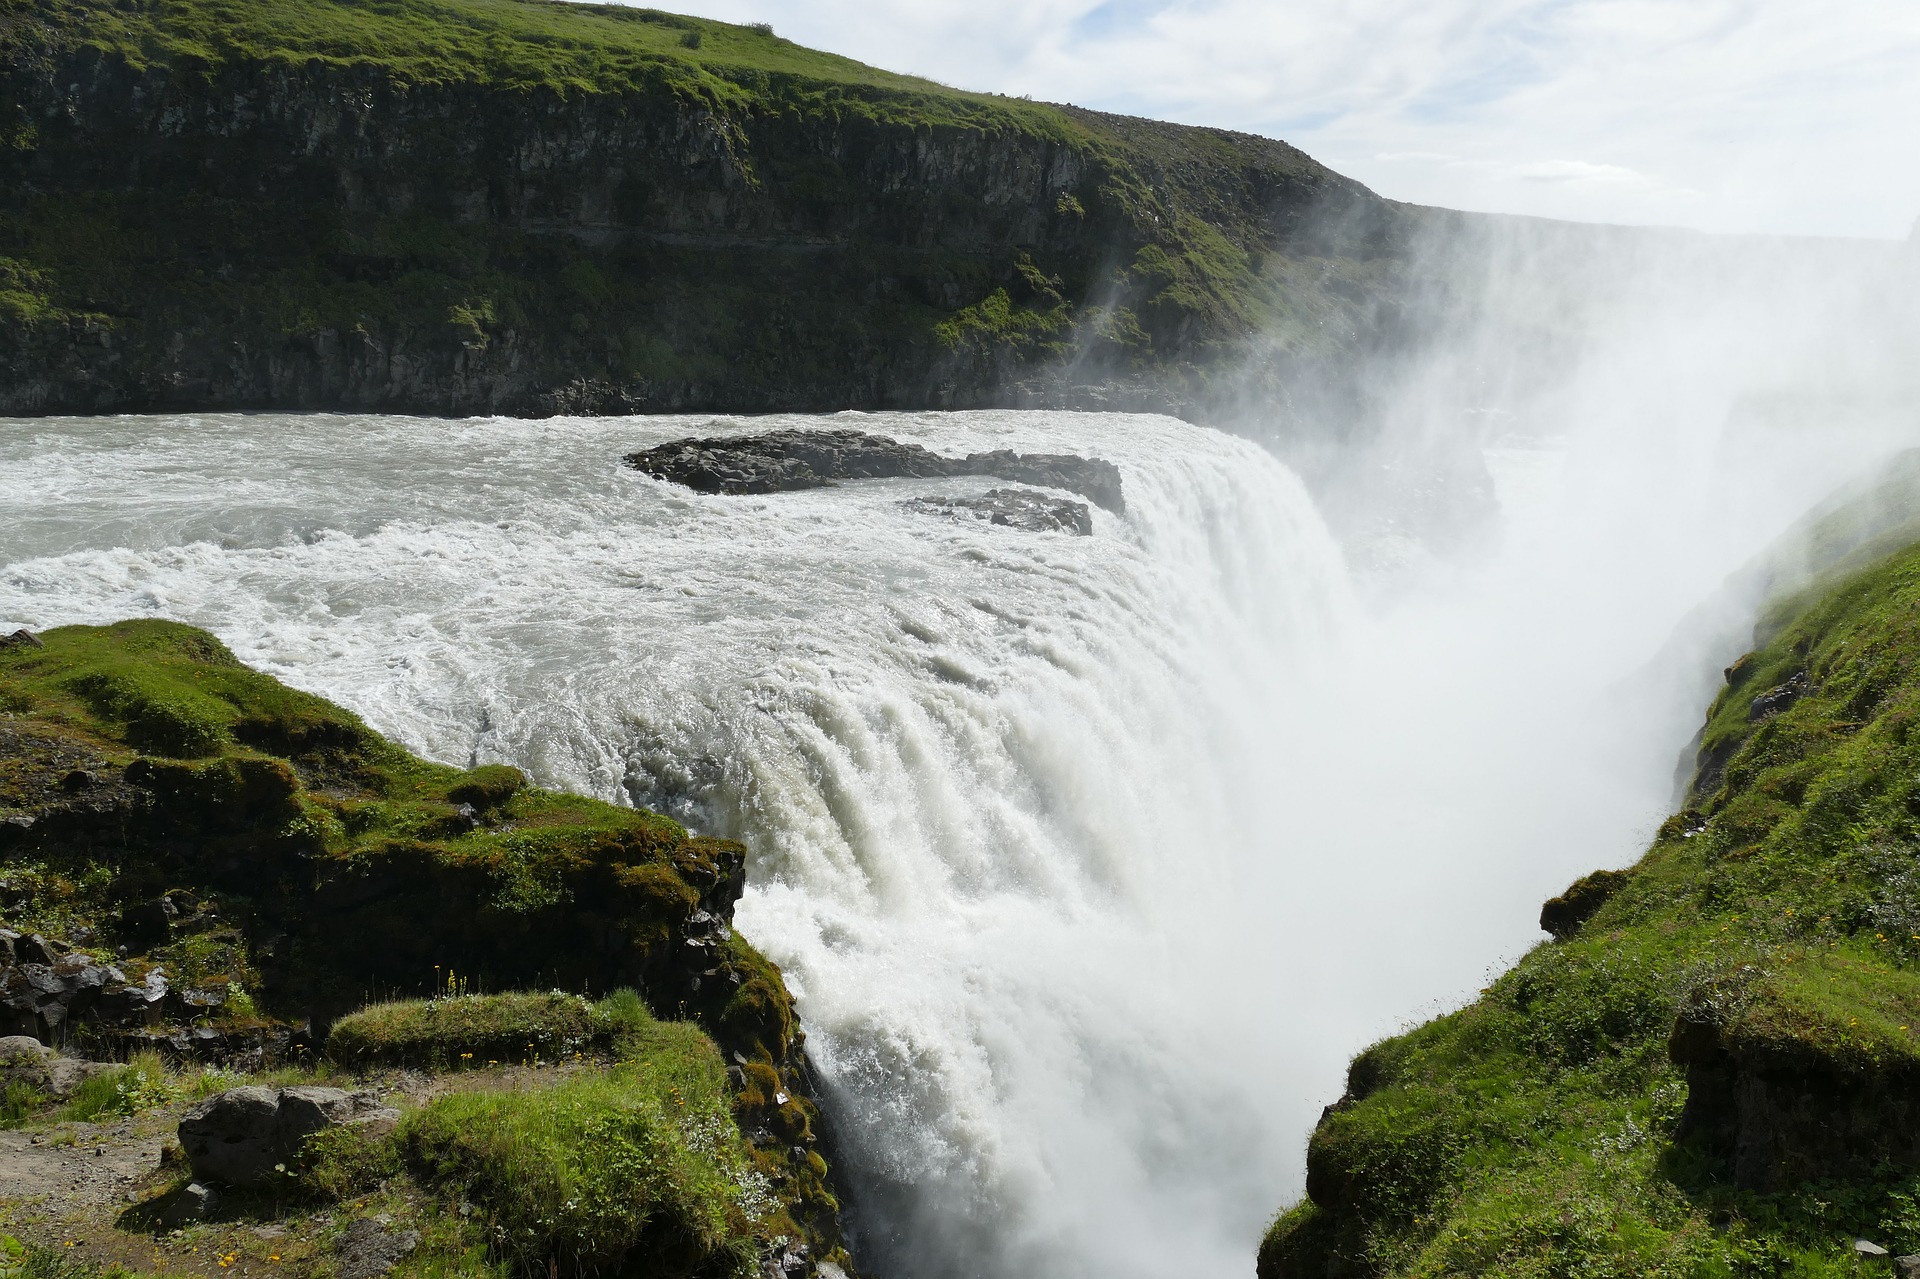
(1711, 1069)
(464, 206)
(206, 870)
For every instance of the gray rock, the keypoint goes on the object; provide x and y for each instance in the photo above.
(1012, 508)
(250, 1136)
(782, 461)
(370, 1247)
(23, 1050)
(1907, 1267)
(1868, 1248)
(22, 638)
(192, 1202)
(66, 1074)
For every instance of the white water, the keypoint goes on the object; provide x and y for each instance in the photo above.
(1009, 795)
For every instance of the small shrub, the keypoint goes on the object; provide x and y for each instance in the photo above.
(690, 40)
(18, 1103)
(141, 1084)
(339, 1163)
(760, 28)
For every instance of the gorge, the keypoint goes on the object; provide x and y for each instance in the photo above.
(1154, 615)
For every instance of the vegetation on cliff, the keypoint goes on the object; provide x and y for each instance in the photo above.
(470, 205)
(201, 863)
(1713, 1068)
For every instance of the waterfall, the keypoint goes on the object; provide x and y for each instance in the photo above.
(1013, 799)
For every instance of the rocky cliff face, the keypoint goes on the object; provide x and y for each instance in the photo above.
(249, 229)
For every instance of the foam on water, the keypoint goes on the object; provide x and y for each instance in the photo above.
(1011, 797)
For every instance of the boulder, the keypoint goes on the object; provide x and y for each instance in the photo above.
(249, 1136)
(190, 1203)
(22, 638)
(783, 461)
(370, 1247)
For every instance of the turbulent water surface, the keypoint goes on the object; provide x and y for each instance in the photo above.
(1000, 787)
(1089, 859)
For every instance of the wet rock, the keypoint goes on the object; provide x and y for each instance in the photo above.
(21, 638)
(250, 1136)
(784, 461)
(1779, 698)
(1012, 508)
(369, 1248)
(788, 1261)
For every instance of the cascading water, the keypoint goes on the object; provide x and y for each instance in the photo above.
(1090, 859)
(1006, 793)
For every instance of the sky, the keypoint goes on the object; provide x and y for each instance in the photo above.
(1778, 116)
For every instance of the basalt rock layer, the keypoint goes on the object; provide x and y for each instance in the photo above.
(465, 206)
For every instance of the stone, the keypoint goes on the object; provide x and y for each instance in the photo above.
(22, 638)
(1868, 1248)
(66, 1074)
(1779, 698)
(190, 1203)
(370, 1247)
(784, 461)
(1012, 508)
(1907, 1267)
(23, 1050)
(250, 1136)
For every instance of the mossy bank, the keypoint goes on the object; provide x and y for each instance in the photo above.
(466, 206)
(201, 863)
(1712, 1068)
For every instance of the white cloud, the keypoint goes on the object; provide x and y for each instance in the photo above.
(1768, 115)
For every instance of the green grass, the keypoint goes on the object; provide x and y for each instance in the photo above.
(464, 1031)
(518, 45)
(1776, 921)
(641, 1161)
(139, 1085)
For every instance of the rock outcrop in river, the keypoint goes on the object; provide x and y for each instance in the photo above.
(785, 461)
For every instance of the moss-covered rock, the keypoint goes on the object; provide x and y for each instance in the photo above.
(1712, 1069)
(231, 865)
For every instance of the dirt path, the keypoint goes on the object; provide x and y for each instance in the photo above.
(79, 1165)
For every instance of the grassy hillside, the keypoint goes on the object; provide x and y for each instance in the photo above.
(516, 45)
(1714, 1069)
(473, 205)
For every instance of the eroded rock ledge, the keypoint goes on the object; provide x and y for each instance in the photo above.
(783, 461)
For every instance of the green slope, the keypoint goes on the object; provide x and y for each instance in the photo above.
(1715, 1069)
